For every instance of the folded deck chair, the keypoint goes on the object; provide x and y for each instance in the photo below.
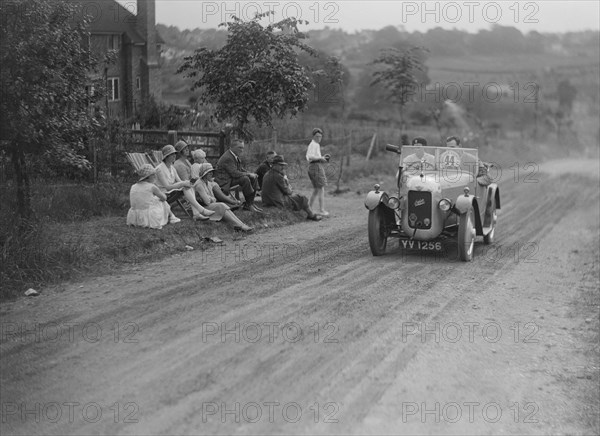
(138, 159)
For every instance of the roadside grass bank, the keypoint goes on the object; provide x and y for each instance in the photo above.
(81, 230)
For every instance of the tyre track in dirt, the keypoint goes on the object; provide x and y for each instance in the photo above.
(174, 371)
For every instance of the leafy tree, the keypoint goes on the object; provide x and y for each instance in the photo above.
(255, 75)
(44, 104)
(405, 71)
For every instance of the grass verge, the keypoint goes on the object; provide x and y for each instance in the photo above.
(54, 251)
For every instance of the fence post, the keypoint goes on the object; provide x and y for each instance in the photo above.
(274, 139)
(371, 146)
(172, 136)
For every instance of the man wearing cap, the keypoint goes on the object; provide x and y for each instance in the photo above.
(264, 167)
(229, 172)
(412, 160)
(276, 190)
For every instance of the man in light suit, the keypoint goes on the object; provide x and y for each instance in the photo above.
(229, 172)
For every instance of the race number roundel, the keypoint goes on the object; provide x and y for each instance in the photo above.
(450, 159)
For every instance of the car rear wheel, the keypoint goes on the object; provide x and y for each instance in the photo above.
(466, 236)
(377, 231)
(489, 238)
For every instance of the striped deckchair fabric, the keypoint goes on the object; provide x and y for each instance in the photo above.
(138, 159)
(157, 156)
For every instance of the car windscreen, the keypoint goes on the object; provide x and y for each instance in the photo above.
(439, 158)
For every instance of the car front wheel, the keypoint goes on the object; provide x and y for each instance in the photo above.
(466, 236)
(377, 231)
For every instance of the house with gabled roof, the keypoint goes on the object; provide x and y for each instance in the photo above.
(130, 32)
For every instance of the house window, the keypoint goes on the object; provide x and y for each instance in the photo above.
(112, 88)
(138, 83)
(114, 42)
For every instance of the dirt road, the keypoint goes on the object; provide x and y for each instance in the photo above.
(299, 330)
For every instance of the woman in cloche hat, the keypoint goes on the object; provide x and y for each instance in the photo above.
(169, 183)
(204, 188)
(149, 207)
(199, 157)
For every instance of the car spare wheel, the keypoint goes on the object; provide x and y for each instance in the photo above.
(378, 232)
(466, 235)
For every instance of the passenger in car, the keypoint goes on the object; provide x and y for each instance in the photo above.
(412, 160)
(483, 177)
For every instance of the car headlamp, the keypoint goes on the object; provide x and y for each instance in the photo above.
(445, 204)
(393, 203)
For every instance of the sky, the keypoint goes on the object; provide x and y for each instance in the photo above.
(554, 16)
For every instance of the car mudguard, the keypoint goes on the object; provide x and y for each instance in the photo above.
(496, 194)
(374, 198)
(463, 202)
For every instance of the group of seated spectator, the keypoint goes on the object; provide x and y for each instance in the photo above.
(208, 190)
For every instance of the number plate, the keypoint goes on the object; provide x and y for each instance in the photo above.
(421, 245)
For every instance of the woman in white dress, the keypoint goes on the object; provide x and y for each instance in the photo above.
(149, 207)
(205, 188)
(169, 183)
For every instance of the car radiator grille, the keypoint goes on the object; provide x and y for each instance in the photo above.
(419, 209)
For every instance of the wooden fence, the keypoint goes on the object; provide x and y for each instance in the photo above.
(108, 160)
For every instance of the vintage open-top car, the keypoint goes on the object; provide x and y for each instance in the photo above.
(443, 199)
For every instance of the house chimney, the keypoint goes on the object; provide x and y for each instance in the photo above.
(146, 26)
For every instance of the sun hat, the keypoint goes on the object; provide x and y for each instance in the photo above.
(180, 146)
(279, 160)
(146, 171)
(168, 150)
(198, 155)
(204, 169)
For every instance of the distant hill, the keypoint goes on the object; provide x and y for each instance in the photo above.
(502, 54)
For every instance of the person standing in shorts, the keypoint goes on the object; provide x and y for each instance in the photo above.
(316, 171)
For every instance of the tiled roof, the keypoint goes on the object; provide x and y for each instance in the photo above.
(108, 16)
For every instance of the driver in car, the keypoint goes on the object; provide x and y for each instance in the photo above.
(483, 177)
(413, 160)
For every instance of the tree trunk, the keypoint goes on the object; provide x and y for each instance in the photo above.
(22, 179)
